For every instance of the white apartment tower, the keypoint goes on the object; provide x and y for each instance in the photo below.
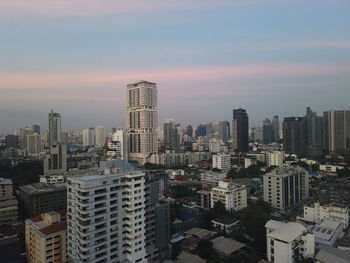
(232, 195)
(100, 136)
(222, 161)
(286, 187)
(106, 215)
(141, 120)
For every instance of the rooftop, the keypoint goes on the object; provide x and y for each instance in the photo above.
(226, 246)
(328, 254)
(5, 181)
(225, 220)
(199, 232)
(40, 188)
(285, 231)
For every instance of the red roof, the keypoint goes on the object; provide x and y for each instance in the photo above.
(54, 228)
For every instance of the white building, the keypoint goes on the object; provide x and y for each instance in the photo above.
(106, 215)
(288, 242)
(55, 162)
(232, 195)
(117, 146)
(330, 168)
(222, 161)
(99, 136)
(141, 120)
(53, 179)
(286, 187)
(315, 213)
(275, 158)
(89, 137)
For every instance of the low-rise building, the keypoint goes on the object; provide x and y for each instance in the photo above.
(222, 161)
(226, 224)
(327, 232)
(232, 195)
(249, 161)
(275, 158)
(226, 246)
(330, 168)
(40, 198)
(46, 238)
(316, 212)
(288, 242)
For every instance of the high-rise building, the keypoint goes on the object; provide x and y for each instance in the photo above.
(46, 238)
(294, 135)
(336, 131)
(189, 131)
(141, 120)
(55, 162)
(240, 130)
(275, 129)
(221, 130)
(232, 195)
(314, 131)
(201, 130)
(36, 128)
(267, 131)
(89, 137)
(34, 145)
(171, 136)
(99, 136)
(54, 127)
(286, 187)
(12, 141)
(106, 215)
(24, 132)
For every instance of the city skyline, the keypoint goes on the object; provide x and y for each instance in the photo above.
(205, 58)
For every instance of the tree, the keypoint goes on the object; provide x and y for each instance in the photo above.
(301, 164)
(343, 172)
(205, 249)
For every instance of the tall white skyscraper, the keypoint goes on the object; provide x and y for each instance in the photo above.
(99, 135)
(141, 120)
(89, 137)
(106, 215)
(54, 127)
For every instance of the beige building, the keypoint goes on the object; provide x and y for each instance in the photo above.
(141, 120)
(46, 238)
(232, 195)
(8, 203)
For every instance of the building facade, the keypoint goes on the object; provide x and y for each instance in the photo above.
(336, 131)
(232, 195)
(141, 120)
(286, 187)
(46, 238)
(106, 215)
(275, 158)
(222, 161)
(8, 203)
(294, 135)
(240, 130)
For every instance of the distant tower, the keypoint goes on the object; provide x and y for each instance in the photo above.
(294, 135)
(171, 136)
(141, 120)
(99, 136)
(275, 129)
(240, 130)
(89, 137)
(36, 129)
(336, 131)
(267, 131)
(54, 127)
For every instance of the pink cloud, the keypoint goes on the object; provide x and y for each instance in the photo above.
(184, 76)
(106, 7)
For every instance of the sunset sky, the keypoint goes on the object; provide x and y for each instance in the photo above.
(271, 57)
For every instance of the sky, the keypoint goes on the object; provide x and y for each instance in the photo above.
(271, 57)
